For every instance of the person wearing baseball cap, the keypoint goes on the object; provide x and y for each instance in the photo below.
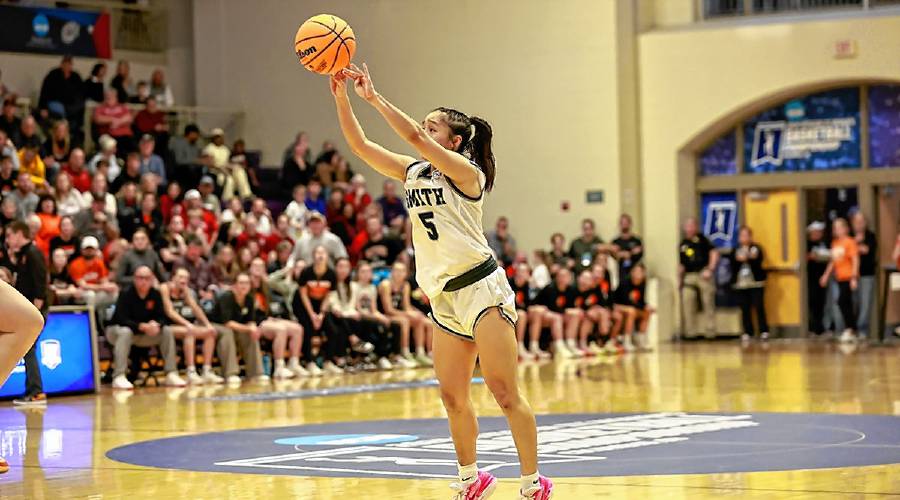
(208, 196)
(193, 201)
(231, 176)
(91, 275)
(318, 235)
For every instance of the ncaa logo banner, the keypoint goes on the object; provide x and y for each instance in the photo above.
(55, 31)
(817, 132)
(719, 218)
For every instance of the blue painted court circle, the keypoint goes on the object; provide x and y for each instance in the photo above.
(572, 445)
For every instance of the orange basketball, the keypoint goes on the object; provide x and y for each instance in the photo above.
(325, 44)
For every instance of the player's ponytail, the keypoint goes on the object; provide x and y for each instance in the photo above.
(476, 134)
(480, 150)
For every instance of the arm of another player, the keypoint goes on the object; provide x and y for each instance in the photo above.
(450, 163)
(386, 162)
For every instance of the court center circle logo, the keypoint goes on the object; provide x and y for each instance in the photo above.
(575, 445)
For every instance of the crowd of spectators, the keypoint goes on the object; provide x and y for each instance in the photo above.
(168, 240)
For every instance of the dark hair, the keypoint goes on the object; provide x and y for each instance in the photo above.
(20, 227)
(193, 239)
(41, 201)
(476, 146)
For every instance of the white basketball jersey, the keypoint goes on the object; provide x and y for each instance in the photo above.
(446, 226)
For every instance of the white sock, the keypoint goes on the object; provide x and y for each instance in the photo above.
(279, 363)
(529, 481)
(467, 472)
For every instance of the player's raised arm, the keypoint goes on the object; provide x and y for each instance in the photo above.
(387, 162)
(449, 162)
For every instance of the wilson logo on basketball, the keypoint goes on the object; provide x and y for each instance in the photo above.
(303, 53)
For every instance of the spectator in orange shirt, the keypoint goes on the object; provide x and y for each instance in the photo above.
(91, 275)
(46, 211)
(845, 266)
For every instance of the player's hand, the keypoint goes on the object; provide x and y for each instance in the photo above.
(362, 81)
(338, 83)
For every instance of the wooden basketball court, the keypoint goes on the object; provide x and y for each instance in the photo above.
(61, 452)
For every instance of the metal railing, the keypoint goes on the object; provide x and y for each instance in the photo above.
(716, 9)
(207, 118)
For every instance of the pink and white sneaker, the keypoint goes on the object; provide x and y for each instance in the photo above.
(482, 487)
(543, 490)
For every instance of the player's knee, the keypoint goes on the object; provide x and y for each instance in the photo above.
(454, 401)
(32, 323)
(506, 397)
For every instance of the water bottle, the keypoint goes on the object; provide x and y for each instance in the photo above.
(267, 364)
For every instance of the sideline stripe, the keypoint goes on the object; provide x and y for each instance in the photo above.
(332, 391)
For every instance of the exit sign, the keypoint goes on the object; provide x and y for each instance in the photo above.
(595, 196)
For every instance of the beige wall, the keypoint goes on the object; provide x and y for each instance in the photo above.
(25, 72)
(545, 78)
(692, 79)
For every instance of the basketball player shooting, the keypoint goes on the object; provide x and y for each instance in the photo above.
(20, 324)
(472, 303)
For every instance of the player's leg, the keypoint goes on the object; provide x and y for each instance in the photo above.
(295, 346)
(521, 329)
(189, 349)
(496, 341)
(422, 326)
(227, 350)
(454, 363)
(572, 320)
(643, 322)
(538, 319)
(209, 337)
(21, 323)
(402, 322)
(556, 322)
(629, 315)
(272, 330)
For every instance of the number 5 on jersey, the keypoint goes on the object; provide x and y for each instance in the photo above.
(427, 219)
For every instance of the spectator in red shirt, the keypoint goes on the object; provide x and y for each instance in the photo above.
(78, 172)
(251, 232)
(114, 119)
(170, 202)
(193, 200)
(357, 194)
(151, 120)
(334, 208)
